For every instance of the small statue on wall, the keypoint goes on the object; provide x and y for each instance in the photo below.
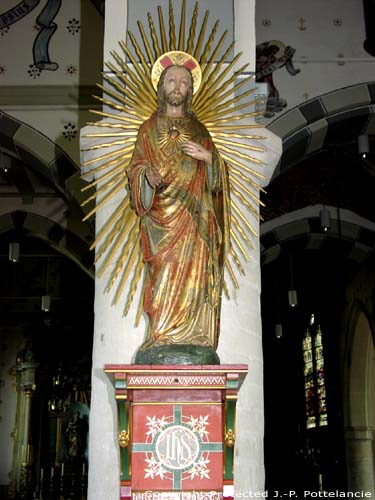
(271, 56)
(76, 432)
(26, 353)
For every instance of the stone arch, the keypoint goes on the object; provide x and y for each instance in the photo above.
(55, 234)
(359, 384)
(356, 233)
(58, 218)
(357, 368)
(317, 123)
(23, 142)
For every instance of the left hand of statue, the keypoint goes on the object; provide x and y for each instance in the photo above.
(197, 151)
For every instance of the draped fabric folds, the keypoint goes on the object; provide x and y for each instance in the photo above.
(183, 232)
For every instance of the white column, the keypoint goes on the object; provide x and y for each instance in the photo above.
(244, 31)
(116, 20)
(360, 459)
(116, 340)
(241, 342)
(241, 326)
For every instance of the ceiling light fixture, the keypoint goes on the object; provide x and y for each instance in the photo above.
(325, 219)
(278, 330)
(363, 145)
(14, 251)
(46, 303)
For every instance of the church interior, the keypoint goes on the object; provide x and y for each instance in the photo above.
(317, 255)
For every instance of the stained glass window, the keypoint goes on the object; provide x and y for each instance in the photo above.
(314, 376)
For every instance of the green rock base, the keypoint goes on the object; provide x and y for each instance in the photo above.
(177, 354)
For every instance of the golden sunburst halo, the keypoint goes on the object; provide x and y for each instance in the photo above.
(220, 104)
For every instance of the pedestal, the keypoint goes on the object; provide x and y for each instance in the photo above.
(176, 429)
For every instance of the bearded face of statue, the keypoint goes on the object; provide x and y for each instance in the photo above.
(175, 88)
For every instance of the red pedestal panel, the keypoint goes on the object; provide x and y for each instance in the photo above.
(176, 430)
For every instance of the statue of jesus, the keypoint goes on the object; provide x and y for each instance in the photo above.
(177, 178)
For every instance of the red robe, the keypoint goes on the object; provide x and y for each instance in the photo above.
(181, 234)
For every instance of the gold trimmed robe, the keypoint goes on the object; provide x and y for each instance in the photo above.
(182, 233)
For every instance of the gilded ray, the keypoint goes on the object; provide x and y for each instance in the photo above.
(145, 42)
(247, 191)
(121, 126)
(101, 190)
(233, 89)
(233, 109)
(123, 206)
(220, 93)
(226, 102)
(211, 78)
(245, 167)
(244, 220)
(102, 202)
(201, 35)
(139, 53)
(181, 38)
(209, 43)
(118, 97)
(129, 79)
(231, 126)
(134, 254)
(130, 135)
(229, 268)
(237, 261)
(154, 37)
(126, 250)
(238, 154)
(208, 65)
(244, 201)
(239, 245)
(119, 171)
(225, 288)
(236, 172)
(172, 29)
(240, 144)
(120, 228)
(122, 236)
(117, 161)
(144, 77)
(109, 144)
(117, 116)
(131, 88)
(231, 135)
(238, 227)
(116, 231)
(134, 283)
(140, 305)
(110, 154)
(235, 118)
(163, 36)
(193, 26)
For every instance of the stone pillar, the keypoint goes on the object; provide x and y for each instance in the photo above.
(23, 451)
(116, 339)
(360, 459)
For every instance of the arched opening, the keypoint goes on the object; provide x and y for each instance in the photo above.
(360, 406)
(330, 266)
